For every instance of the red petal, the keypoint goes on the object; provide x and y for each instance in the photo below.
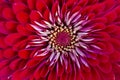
(69, 68)
(32, 63)
(22, 30)
(87, 75)
(14, 64)
(16, 75)
(103, 36)
(111, 16)
(60, 70)
(1, 54)
(79, 75)
(63, 11)
(12, 38)
(24, 54)
(73, 74)
(3, 29)
(55, 8)
(76, 9)
(3, 64)
(111, 28)
(116, 69)
(93, 62)
(70, 3)
(37, 73)
(98, 26)
(20, 45)
(83, 2)
(19, 6)
(41, 6)
(46, 15)
(91, 16)
(25, 74)
(103, 58)
(5, 71)
(86, 10)
(108, 76)
(64, 76)
(90, 2)
(2, 1)
(105, 67)
(98, 8)
(109, 4)
(115, 43)
(21, 64)
(115, 56)
(52, 75)
(29, 28)
(100, 19)
(2, 43)
(9, 53)
(11, 26)
(35, 16)
(95, 74)
(8, 13)
(22, 17)
(31, 4)
(44, 71)
(117, 9)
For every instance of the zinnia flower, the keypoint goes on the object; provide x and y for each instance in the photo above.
(59, 40)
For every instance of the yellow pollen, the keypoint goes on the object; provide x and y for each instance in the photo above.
(68, 38)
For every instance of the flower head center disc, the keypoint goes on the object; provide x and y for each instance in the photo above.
(62, 38)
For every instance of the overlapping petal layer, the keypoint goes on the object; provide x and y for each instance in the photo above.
(59, 39)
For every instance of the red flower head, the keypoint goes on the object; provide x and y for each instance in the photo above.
(59, 40)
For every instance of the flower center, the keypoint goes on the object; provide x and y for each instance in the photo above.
(62, 38)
